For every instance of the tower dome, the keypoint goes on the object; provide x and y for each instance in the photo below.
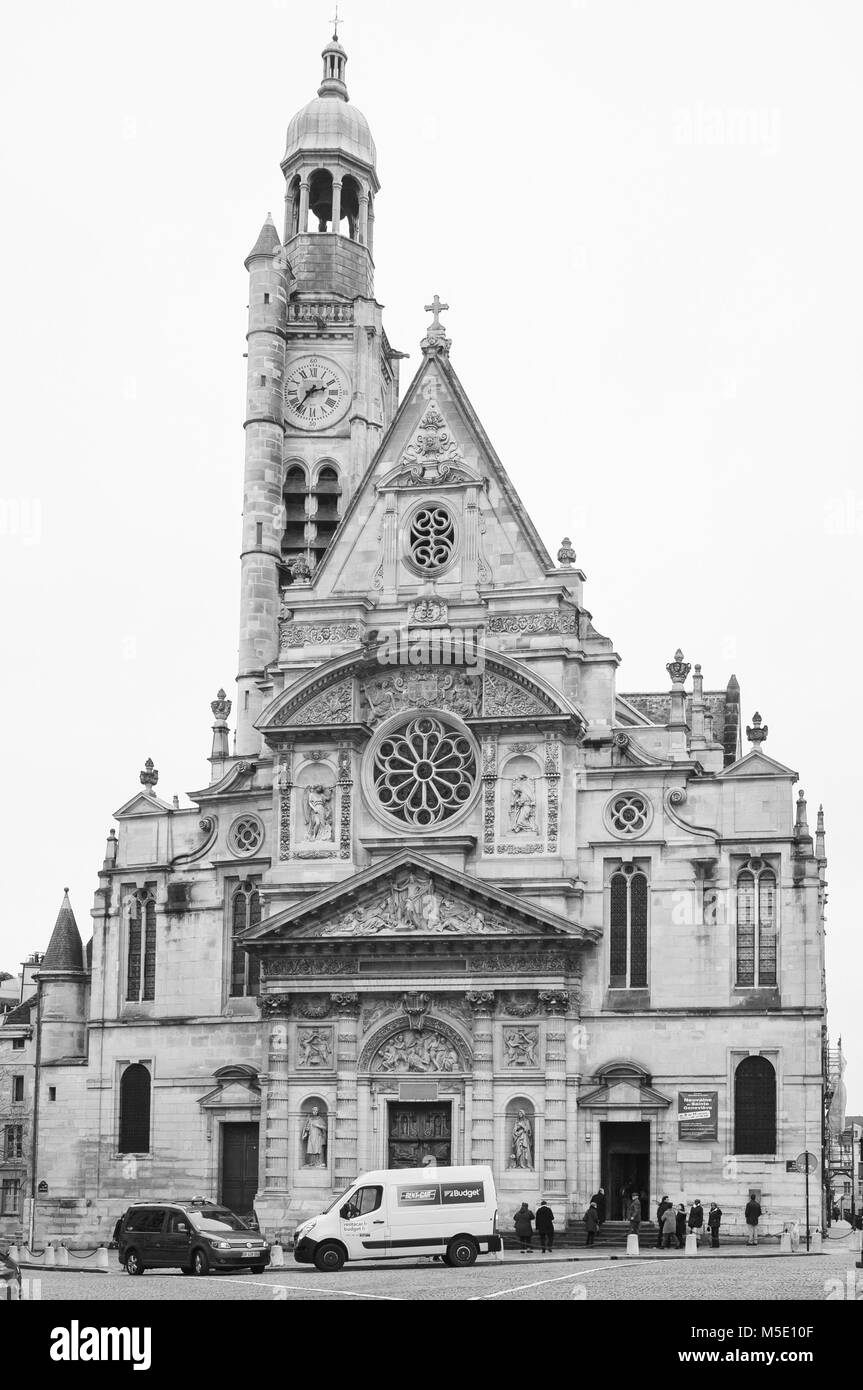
(331, 124)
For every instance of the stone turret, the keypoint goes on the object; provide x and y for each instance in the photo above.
(62, 983)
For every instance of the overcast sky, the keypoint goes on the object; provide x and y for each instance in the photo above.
(647, 219)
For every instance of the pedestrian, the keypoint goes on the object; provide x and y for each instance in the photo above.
(545, 1226)
(591, 1223)
(660, 1213)
(524, 1226)
(680, 1219)
(752, 1212)
(696, 1219)
(634, 1213)
(668, 1229)
(714, 1217)
(598, 1200)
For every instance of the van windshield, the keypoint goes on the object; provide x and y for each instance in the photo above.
(216, 1220)
(342, 1197)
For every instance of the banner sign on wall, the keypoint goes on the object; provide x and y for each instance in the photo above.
(698, 1115)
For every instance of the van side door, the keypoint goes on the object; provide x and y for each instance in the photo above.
(176, 1240)
(363, 1224)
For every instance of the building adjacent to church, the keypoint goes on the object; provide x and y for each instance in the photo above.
(448, 893)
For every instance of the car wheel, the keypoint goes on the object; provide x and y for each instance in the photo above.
(258, 1269)
(186, 1269)
(200, 1263)
(461, 1252)
(329, 1258)
(132, 1263)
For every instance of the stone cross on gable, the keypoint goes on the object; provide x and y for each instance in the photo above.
(437, 309)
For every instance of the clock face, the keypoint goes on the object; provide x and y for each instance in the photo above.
(316, 393)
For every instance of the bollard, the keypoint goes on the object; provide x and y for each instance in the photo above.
(15, 1254)
(691, 1243)
(632, 1243)
(50, 1257)
(62, 1256)
(101, 1257)
(277, 1257)
(785, 1243)
(856, 1239)
(815, 1243)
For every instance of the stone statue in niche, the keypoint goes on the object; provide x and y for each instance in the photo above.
(318, 811)
(313, 1048)
(522, 806)
(522, 1142)
(520, 1044)
(411, 1052)
(314, 1137)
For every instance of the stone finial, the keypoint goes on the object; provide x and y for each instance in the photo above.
(149, 775)
(566, 554)
(756, 732)
(111, 848)
(820, 846)
(678, 669)
(801, 827)
(436, 339)
(221, 707)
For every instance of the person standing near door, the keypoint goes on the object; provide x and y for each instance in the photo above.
(752, 1212)
(714, 1217)
(598, 1201)
(591, 1223)
(634, 1213)
(524, 1226)
(545, 1226)
(696, 1219)
(680, 1220)
(663, 1207)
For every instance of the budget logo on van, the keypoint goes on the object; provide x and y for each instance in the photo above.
(462, 1192)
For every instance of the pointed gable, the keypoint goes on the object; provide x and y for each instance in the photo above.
(65, 949)
(757, 764)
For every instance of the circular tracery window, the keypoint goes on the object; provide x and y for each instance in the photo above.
(424, 772)
(629, 814)
(246, 835)
(432, 538)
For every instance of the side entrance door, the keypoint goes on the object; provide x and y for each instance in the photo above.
(239, 1176)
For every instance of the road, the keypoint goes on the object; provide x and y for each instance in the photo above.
(754, 1277)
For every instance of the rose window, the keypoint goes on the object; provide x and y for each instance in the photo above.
(432, 538)
(425, 772)
(246, 835)
(629, 815)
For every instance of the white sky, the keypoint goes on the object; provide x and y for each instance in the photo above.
(647, 218)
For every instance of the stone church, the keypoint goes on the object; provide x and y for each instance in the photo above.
(448, 895)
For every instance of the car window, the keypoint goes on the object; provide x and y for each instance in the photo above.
(363, 1201)
(178, 1223)
(216, 1219)
(145, 1219)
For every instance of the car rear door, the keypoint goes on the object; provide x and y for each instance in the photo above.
(175, 1240)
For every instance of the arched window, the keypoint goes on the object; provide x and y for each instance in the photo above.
(628, 929)
(351, 206)
(141, 941)
(755, 1107)
(320, 201)
(312, 513)
(245, 913)
(135, 1110)
(756, 925)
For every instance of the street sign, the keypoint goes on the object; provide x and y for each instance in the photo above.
(806, 1162)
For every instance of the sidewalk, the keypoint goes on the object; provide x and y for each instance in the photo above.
(650, 1252)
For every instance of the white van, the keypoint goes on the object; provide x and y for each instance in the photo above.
(451, 1212)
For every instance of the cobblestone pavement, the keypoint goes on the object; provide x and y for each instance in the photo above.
(767, 1278)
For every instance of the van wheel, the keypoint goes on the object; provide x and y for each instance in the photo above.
(329, 1258)
(200, 1263)
(132, 1263)
(258, 1269)
(461, 1251)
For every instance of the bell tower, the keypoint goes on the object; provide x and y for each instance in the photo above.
(322, 377)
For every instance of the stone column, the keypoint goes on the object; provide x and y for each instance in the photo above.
(336, 213)
(363, 229)
(276, 1136)
(304, 205)
(556, 1003)
(482, 1108)
(345, 1169)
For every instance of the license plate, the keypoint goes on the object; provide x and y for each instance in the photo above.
(252, 1254)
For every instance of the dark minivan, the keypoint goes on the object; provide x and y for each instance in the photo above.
(195, 1236)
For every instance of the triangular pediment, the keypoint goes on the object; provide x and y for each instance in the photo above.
(142, 804)
(435, 450)
(413, 896)
(757, 764)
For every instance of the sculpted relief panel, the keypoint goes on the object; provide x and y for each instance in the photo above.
(414, 903)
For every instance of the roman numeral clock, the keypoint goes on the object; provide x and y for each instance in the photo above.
(317, 393)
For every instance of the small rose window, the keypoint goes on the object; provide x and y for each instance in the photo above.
(246, 835)
(629, 814)
(432, 538)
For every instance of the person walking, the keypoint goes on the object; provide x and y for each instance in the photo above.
(598, 1200)
(634, 1213)
(663, 1207)
(680, 1220)
(714, 1217)
(752, 1212)
(524, 1226)
(591, 1223)
(668, 1228)
(696, 1219)
(545, 1226)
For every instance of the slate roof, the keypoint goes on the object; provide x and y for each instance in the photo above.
(65, 949)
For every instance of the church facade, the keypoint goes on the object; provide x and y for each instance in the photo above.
(449, 894)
